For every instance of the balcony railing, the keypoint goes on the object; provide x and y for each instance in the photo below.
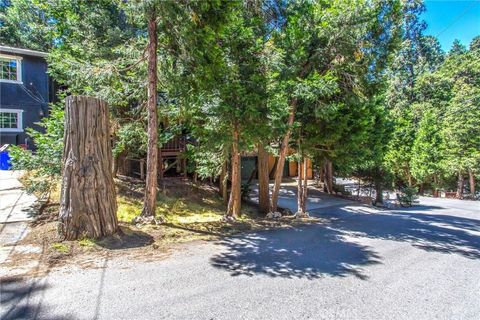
(173, 147)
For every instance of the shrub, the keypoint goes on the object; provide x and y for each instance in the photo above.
(44, 165)
(407, 196)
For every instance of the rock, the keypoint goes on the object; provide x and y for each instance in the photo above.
(228, 218)
(274, 215)
(301, 215)
(285, 211)
(147, 220)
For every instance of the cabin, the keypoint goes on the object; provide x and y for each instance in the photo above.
(25, 92)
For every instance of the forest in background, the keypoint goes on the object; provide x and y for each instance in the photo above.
(352, 85)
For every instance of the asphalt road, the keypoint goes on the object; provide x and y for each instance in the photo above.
(417, 263)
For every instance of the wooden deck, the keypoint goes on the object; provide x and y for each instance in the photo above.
(173, 150)
(173, 147)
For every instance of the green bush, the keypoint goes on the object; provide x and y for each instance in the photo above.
(44, 165)
(407, 196)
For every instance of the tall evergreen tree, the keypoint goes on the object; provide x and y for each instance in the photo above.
(321, 65)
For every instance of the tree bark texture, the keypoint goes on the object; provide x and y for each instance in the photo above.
(271, 174)
(299, 189)
(88, 204)
(421, 189)
(150, 201)
(379, 192)
(263, 179)
(234, 203)
(435, 186)
(302, 188)
(282, 155)
(305, 185)
(471, 179)
(223, 183)
(460, 185)
(328, 176)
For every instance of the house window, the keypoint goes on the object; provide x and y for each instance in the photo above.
(10, 68)
(11, 120)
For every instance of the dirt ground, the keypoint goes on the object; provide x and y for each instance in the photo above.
(191, 212)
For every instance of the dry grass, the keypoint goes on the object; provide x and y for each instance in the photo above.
(190, 212)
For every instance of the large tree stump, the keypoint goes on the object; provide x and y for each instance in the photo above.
(88, 204)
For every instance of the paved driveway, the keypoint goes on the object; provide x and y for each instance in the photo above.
(417, 263)
(15, 211)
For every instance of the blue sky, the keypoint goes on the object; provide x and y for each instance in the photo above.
(449, 20)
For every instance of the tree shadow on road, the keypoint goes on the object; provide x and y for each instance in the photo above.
(417, 225)
(15, 300)
(335, 247)
(305, 252)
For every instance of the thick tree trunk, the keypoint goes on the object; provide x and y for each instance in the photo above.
(223, 183)
(435, 186)
(421, 189)
(302, 189)
(263, 190)
(460, 185)
(234, 203)
(150, 201)
(328, 176)
(471, 179)
(322, 172)
(379, 192)
(271, 174)
(88, 202)
(299, 189)
(282, 155)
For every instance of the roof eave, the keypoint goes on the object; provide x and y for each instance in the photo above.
(26, 52)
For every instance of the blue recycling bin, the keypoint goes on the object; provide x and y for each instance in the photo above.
(5, 160)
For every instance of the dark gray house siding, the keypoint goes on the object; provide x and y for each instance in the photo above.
(31, 95)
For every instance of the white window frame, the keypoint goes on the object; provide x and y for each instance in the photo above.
(19, 69)
(19, 113)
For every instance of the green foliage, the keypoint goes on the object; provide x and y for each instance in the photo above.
(437, 127)
(132, 138)
(24, 24)
(332, 61)
(427, 150)
(373, 93)
(461, 125)
(457, 48)
(61, 247)
(407, 196)
(45, 163)
(206, 162)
